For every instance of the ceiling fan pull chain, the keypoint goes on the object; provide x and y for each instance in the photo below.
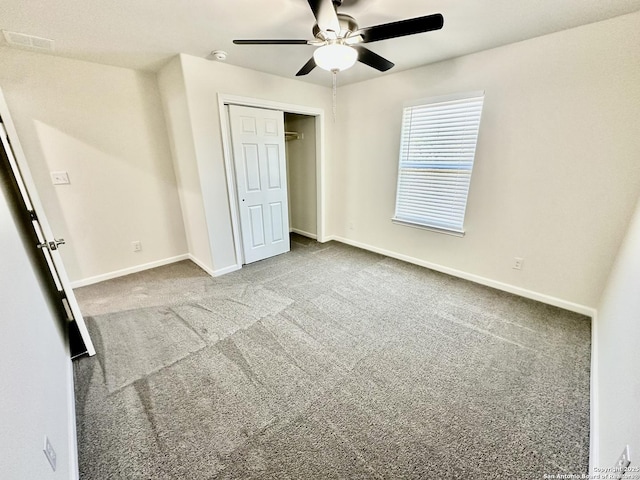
(335, 82)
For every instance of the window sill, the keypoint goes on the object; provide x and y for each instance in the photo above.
(453, 233)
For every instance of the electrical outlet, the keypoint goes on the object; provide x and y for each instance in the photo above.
(137, 246)
(517, 263)
(49, 452)
(624, 460)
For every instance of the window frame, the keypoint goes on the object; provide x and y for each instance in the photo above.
(426, 102)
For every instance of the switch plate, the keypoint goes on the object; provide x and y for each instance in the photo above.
(49, 452)
(136, 245)
(60, 178)
(517, 263)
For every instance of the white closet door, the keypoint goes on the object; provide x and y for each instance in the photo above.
(257, 137)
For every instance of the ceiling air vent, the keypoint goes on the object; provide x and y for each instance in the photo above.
(23, 40)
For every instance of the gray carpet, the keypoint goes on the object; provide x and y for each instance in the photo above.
(328, 362)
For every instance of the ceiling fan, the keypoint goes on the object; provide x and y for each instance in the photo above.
(339, 38)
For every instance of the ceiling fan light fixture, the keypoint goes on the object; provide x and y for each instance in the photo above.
(335, 57)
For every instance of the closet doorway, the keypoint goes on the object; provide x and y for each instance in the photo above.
(300, 145)
(303, 175)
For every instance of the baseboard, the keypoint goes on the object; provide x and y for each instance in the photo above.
(146, 266)
(224, 271)
(201, 265)
(523, 292)
(214, 273)
(127, 271)
(594, 427)
(303, 233)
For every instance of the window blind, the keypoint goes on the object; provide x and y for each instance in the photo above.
(437, 149)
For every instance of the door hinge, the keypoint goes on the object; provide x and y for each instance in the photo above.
(32, 214)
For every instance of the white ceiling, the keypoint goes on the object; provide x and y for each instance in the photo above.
(144, 34)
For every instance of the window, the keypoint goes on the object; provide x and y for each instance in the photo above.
(437, 149)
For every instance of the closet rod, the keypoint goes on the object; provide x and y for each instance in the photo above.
(293, 136)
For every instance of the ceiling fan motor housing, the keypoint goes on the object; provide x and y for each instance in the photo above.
(348, 25)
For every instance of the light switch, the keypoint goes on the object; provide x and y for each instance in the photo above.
(60, 178)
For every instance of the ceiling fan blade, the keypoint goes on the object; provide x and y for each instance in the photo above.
(310, 65)
(402, 28)
(372, 59)
(326, 16)
(271, 42)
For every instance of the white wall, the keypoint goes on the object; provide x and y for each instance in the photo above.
(618, 354)
(203, 81)
(301, 174)
(176, 111)
(556, 172)
(105, 126)
(35, 368)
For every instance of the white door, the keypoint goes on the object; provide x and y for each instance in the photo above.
(257, 136)
(46, 241)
